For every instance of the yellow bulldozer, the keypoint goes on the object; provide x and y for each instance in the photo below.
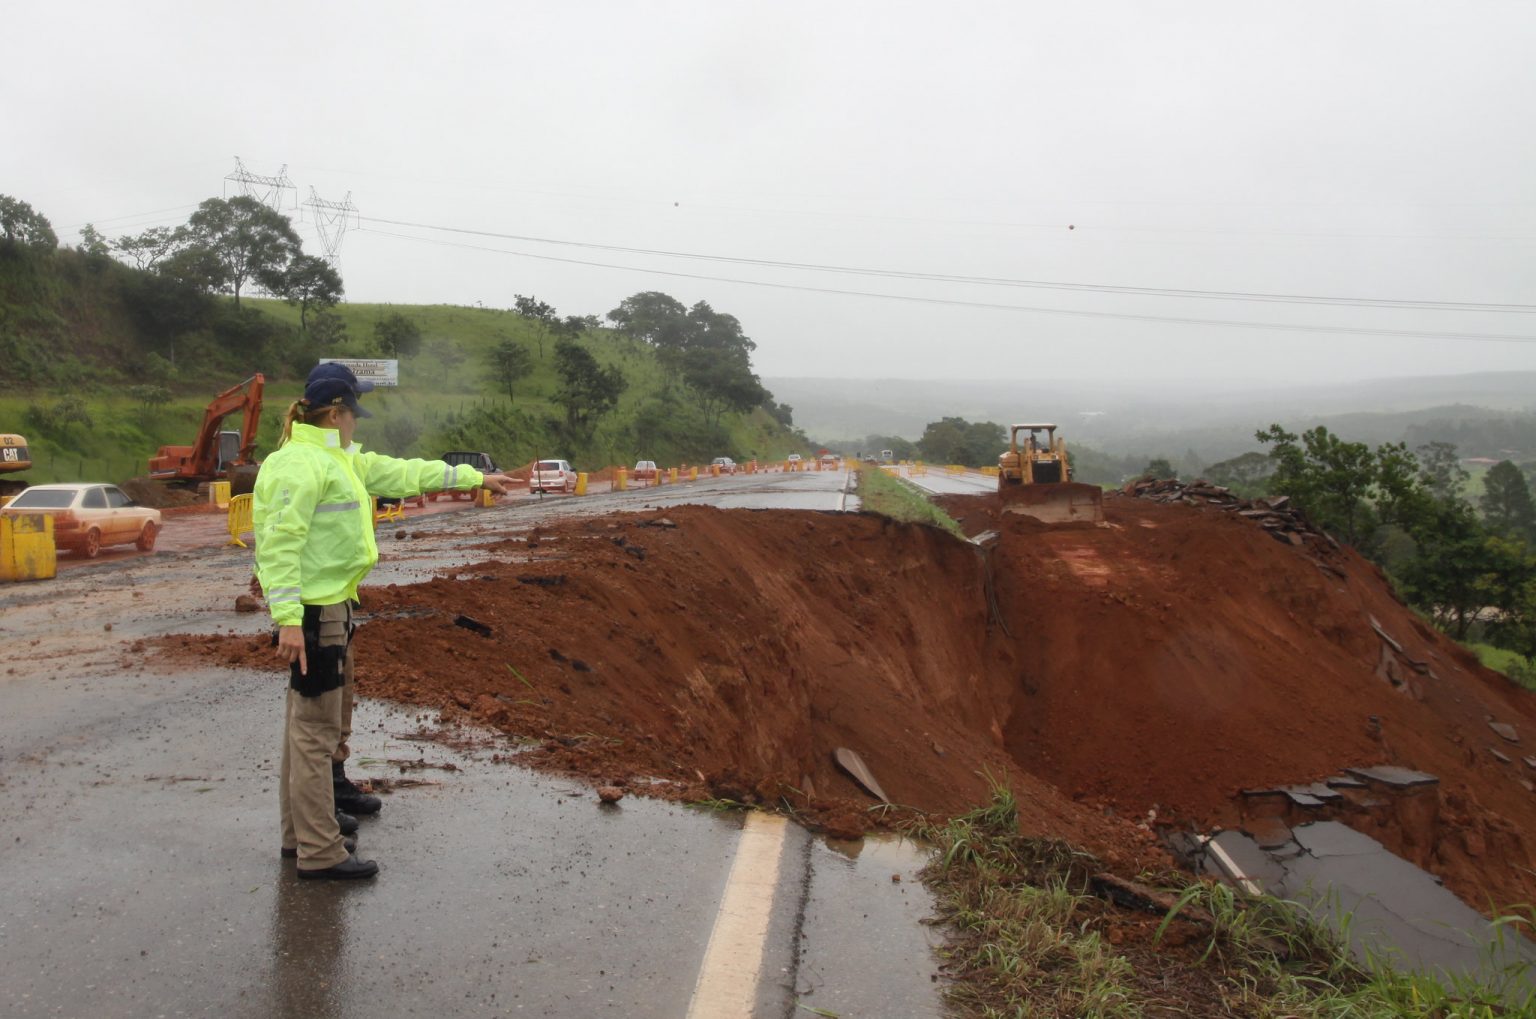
(1034, 478)
(14, 457)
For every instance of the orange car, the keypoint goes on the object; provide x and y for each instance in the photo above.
(88, 517)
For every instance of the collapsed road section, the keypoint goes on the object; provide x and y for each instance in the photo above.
(1127, 680)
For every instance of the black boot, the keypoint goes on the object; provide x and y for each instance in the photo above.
(348, 796)
(346, 822)
(350, 869)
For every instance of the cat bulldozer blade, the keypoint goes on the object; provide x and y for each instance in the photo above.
(1034, 478)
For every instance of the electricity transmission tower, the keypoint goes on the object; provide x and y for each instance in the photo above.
(331, 220)
(269, 191)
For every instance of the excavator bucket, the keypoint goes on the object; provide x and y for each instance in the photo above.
(1060, 503)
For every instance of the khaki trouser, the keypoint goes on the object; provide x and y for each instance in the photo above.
(313, 736)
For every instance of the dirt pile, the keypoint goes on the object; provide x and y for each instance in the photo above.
(1125, 678)
(147, 492)
(1180, 656)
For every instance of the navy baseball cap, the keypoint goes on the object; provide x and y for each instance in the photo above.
(334, 383)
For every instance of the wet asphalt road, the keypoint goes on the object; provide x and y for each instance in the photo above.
(139, 872)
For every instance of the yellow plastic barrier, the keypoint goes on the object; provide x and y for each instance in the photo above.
(620, 480)
(218, 493)
(26, 547)
(581, 483)
(672, 475)
(714, 470)
(485, 498)
(693, 474)
(239, 519)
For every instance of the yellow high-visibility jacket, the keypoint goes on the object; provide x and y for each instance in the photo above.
(313, 515)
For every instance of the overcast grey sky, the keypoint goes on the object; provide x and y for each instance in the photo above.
(1377, 150)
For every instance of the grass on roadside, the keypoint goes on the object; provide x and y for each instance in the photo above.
(1026, 937)
(890, 496)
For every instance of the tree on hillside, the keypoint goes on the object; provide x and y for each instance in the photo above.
(1441, 472)
(587, 390)
(1159, 468)
(93, 244)
(1506, 502)
(447, 355)
(653, 318)
(1329, 477)
(783, 413)
(954, 440)
(1449, 575)
(540, 314)
(250, 242)
(328, 329)
(714, 356)
(397, 336)
(24, 228)
(507, 363)
(1245, 474)
(147, 249)
(310, 282)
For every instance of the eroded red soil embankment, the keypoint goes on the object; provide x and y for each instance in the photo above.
(1182, 655)
(1167, 661)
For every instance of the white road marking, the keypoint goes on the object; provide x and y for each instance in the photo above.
(733, 961)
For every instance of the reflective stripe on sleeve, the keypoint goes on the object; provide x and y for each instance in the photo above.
(337, 507)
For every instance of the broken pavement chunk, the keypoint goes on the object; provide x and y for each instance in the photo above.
(473, 624)
(1389, 774)
(1505, 731)
(854, 765)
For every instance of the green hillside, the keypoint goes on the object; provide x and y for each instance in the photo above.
(101, 364)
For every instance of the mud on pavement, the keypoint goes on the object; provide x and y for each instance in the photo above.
(1126, 681)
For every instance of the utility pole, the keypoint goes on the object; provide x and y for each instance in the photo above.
(269, 191)
(331, 221)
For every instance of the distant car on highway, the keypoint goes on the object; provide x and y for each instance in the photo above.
(481, 462)
(829, 460)
(793, 458)
(552, 476)
(89, 517)
(645, 470)
(725, 463)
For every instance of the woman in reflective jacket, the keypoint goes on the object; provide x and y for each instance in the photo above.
(313, 519)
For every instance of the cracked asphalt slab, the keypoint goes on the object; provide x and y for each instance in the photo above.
(139, 863)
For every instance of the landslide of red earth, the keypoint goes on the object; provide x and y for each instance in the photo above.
(1181, 655)
(1162, 663)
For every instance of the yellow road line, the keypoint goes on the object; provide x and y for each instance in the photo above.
(727, 985)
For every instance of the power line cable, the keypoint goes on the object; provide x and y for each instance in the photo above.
(1098, 288)
(1123, 316)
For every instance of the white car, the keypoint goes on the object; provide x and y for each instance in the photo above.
(793, 458)
(88, 517)
(552, 476)
(725, 463)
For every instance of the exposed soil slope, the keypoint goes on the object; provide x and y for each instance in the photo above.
(1164, 662)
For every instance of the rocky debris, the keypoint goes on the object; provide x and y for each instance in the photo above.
(610, 793)
(1505, 731)
(247, 603)
(1284, 522)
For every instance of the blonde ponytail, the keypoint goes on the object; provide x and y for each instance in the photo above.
(298, 411)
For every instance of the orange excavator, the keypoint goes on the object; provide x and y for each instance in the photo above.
(218, 454)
